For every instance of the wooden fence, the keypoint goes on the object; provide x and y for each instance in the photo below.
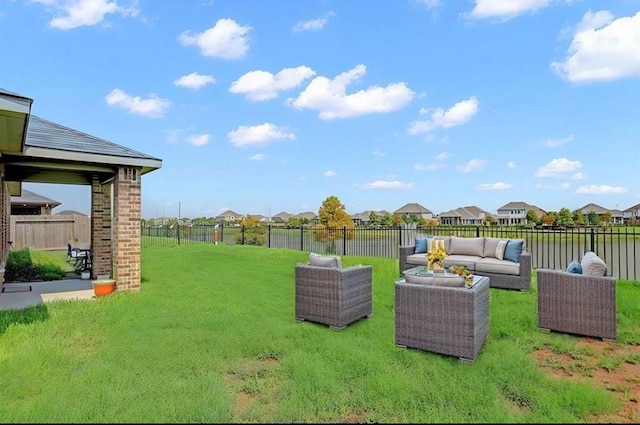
(49, 232)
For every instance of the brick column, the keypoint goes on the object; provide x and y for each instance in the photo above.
(5, 222)
(126, 225)
(100, 228)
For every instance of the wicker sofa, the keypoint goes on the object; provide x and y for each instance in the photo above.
(479, 255)
(333, 295)
(579, 304)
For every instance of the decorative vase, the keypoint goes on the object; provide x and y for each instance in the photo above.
(103, 287)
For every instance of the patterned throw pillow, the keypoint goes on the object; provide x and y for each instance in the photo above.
(502, 245)
(574, 267)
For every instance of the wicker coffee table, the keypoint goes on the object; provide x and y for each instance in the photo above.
(442, 319)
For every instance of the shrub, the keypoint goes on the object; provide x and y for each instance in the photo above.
(20, 268)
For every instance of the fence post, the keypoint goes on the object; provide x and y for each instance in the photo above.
(268, 236)
(477, 232)
(593, 242)
(242, 235)
(399, 235)
(301, 238)
(344, 240)
(178, 230)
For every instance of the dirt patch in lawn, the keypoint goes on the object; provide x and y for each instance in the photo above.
(608, 365)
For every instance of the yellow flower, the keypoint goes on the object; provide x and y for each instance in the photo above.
(436, 255)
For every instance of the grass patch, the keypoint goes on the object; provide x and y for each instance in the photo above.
(211, 337)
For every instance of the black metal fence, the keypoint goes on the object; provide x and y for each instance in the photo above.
(619, 247)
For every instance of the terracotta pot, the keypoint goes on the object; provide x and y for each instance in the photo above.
(104, 287)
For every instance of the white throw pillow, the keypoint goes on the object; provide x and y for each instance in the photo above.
(502, 245)
(592, 265)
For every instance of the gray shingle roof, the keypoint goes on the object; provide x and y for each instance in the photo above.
(31, 198)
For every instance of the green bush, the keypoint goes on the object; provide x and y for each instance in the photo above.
(20, 268)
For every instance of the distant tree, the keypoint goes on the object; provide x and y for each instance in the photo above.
(532, 217)
(293, 222)
(432, 222)
(593, 219)
(422, 221)
(550, 218)
(398, 219)
(386, 220)
(333, 224)
(489, 220)
(564, 217)
(374, 218)
(578, 218)
(254, 232)
(606, 217)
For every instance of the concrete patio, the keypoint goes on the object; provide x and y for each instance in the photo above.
(25, 294)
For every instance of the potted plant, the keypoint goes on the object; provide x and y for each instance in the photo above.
(436, 260)
(103, 286)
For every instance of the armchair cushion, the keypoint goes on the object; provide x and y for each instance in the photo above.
(592, 265)
(513, 250)
(325, 260)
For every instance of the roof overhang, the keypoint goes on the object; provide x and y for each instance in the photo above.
(14, 119)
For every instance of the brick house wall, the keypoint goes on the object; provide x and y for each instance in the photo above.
(127, 234)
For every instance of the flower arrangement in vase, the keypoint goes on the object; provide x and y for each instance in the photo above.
(436, 260)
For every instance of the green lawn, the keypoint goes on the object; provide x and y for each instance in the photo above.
(211, 337)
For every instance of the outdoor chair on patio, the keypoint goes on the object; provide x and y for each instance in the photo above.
(578, 303)
(328, 294)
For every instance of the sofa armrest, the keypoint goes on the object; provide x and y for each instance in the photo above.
(403, 252)
(525, 264)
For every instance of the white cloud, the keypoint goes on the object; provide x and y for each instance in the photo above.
(225, 40)
(313, 24)
(554, 143)
(511, 164)
(493, 186)
(428, 167)
(579, 176)
(258, 135)
(77, 13)
(378, 153)
(263, 85)
(504, 10)
(473, 165)
(330, 173)
(600, 190)
(558, 167)
(430, 4)
(442, 156)
(381, 184)
(543, 186)
(194, 81)
(258, 157)
(330, 98)
(602, 49)
(152, 107)
(458, 114)
(198, 139)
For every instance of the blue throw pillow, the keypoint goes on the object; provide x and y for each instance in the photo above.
(575, 267)
(421, 245)
(513, 250)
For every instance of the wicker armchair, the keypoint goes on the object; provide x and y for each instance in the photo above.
(577, 303)
(333, 296)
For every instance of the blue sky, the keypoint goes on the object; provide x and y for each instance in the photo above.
(261, 107)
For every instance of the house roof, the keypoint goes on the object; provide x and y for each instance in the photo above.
(412, 208)
(70, 212)
(593, 208)
(54, 153)
(31, 198)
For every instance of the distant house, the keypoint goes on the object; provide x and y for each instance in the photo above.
(30, 203)
(631, 213)
(617, 216)
(415, 209)
(311, 216)
(229, 217)
(70, 212)
(515, 213)
(470, 215)
(362, 219)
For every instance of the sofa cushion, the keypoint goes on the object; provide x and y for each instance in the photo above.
(575, 267)
(463, 260)
(500, 248)
(456, 282)
(493, 265)
(421, 245)
(513, 250)
(490, 246)
(466, 246)
(417, 259)
(592, 265)
(325, 260)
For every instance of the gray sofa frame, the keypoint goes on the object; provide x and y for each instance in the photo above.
(333, 296)
(520, 282)
(577, 304)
